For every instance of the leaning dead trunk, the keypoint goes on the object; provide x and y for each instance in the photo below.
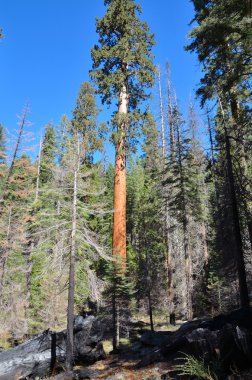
(14, 158)
(20, 133)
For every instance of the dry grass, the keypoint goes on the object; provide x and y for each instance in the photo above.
(5, 337)
(107, 346)
(161, 322)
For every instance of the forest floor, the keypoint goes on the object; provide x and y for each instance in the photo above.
(116, 367)
(132, 361)
(125, 365)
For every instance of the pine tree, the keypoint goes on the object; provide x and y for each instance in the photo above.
(122, 69)
(85, 120)
(47, 155)
(222, 42)
(184, 187)
(15, 217)
(85, 140)
(146, 247)
(152, 246)
(43, 202)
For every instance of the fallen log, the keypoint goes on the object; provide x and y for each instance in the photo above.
(226, 338)
(41, 355)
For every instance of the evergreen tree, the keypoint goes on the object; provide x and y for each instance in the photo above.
(85, 140)
(15, 216)
(144, 224)
(47, 155)
(85, 120)
(222, 42)
(152, 246)
(122, 69)
(117, 295)
(186, 196)
(44, 202)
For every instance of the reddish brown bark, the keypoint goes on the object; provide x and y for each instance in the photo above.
(119, 225)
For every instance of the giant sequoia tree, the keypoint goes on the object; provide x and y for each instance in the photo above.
(122, 69)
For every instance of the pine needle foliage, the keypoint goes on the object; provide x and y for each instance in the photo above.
(122, 61)
(123, 53)
(193, 366)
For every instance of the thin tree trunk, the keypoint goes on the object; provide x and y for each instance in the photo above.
(10, 171)
(188, 270)
(20, 133)
(212, 160)
(240, 264)
(169, 261)
(187, 251)
(161, 112)
(169, 218)
(219, 299)
(206, 253)
(119, 223)
(147, 264)
(29, 266)
(4, 257)
(71, 287)
(116, 322)
(38, 169)
(150, 310)
(170, 113)
(168, 258)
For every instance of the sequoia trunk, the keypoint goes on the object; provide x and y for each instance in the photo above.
(119, 225)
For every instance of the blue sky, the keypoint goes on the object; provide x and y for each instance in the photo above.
(45, 54)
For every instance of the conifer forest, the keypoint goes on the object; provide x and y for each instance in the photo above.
(145, 258)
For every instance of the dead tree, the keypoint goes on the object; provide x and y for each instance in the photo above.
(71, 285)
